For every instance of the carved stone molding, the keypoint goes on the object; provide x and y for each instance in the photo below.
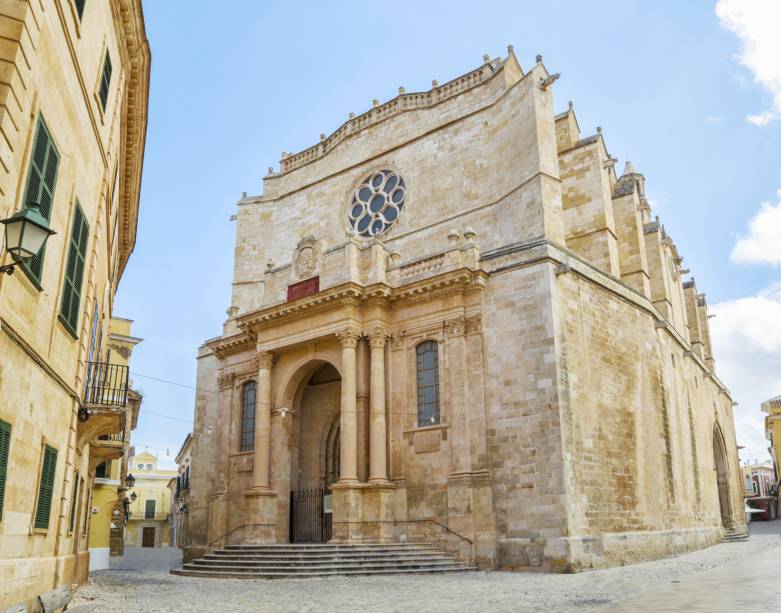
(378, 336)
(265, 359)
(474, 324)
(225, 381)
(455, 326)
(306, 257)
(348, 336)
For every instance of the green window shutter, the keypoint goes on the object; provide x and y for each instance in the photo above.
(73, 501)
(105, 81)
(74, 271)
(80, 6)
(41, 179)
(46, 489)
(5, 446)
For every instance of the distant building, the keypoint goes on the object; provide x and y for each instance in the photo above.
(180, 501)
(763, 494)
(149, 523)
(107, 515)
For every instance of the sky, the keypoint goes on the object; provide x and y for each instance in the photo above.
(689, 91)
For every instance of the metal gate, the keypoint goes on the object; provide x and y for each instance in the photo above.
(310, 516)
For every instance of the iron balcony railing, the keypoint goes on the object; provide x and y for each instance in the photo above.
(106, 384)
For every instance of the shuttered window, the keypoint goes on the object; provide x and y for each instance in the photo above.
(80, 6)
(46, 488)
(5, 446)
(41, 179)
(105, 81)
(149, 510)
(72, 522)
(74, 271)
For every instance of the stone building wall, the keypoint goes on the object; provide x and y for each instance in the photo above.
(577, 423)
(51, 67)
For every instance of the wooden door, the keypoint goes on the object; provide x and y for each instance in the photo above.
(148, 537)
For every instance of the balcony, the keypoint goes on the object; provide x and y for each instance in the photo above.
(102, 411)
(106, 447)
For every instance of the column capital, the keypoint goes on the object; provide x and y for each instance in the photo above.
(348, 336)
(265, 359)
(378, 336)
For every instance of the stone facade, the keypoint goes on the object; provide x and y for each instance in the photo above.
(53, 64)
(575, 420)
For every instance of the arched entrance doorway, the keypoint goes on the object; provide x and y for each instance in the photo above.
(316, 457)
(722, 478)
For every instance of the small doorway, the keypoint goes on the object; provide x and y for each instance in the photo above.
(148, 537)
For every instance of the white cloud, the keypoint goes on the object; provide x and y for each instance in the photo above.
(756, 22)
(746, 338)
(762, 244)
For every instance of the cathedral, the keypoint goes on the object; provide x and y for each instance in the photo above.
(454, 322)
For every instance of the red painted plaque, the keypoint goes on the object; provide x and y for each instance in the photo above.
(308, 287)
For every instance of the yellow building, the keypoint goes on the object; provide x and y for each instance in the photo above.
(772, 408)
(73, 111)
(107, 519)
(149, 523)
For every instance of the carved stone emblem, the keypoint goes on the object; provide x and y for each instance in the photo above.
(305, 261)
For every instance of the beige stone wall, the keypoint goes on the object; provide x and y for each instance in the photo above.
(51, 68)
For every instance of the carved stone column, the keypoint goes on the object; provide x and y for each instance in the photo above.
(378, 461)
(261, 522)
(261, 474)
(348, 424)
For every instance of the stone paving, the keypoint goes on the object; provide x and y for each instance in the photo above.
(739, 576)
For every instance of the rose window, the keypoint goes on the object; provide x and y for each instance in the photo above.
(377, 203)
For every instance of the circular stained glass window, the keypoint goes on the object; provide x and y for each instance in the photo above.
(377, 202)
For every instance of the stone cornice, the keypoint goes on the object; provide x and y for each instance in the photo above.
(400, 104)
(459, 281)
(230, 345)
(135, 102)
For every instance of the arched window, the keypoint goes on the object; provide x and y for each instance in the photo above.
(428, 383)
(247, 442)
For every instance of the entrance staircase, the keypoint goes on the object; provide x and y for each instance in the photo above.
(277, 561)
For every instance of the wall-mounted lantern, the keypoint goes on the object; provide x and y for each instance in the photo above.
(25, 234)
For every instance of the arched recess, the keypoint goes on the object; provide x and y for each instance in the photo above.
(722, 478)
(292, 377)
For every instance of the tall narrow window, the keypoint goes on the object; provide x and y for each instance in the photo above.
(46, 487)
(149, 510)
(74, 271)
(41, 179)
(248, 417)
(105, 81)
(5, 447)
(428, 383)
(72, 522)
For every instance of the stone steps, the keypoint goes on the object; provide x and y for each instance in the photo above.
(734, 537)
(314, 560)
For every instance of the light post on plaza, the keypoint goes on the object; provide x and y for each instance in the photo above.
(26, 233)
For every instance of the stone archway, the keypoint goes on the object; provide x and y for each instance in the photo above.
(314, 457)
(722, 478)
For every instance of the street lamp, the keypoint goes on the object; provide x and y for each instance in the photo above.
(25, 234)
(133, 497)
(130, 481)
